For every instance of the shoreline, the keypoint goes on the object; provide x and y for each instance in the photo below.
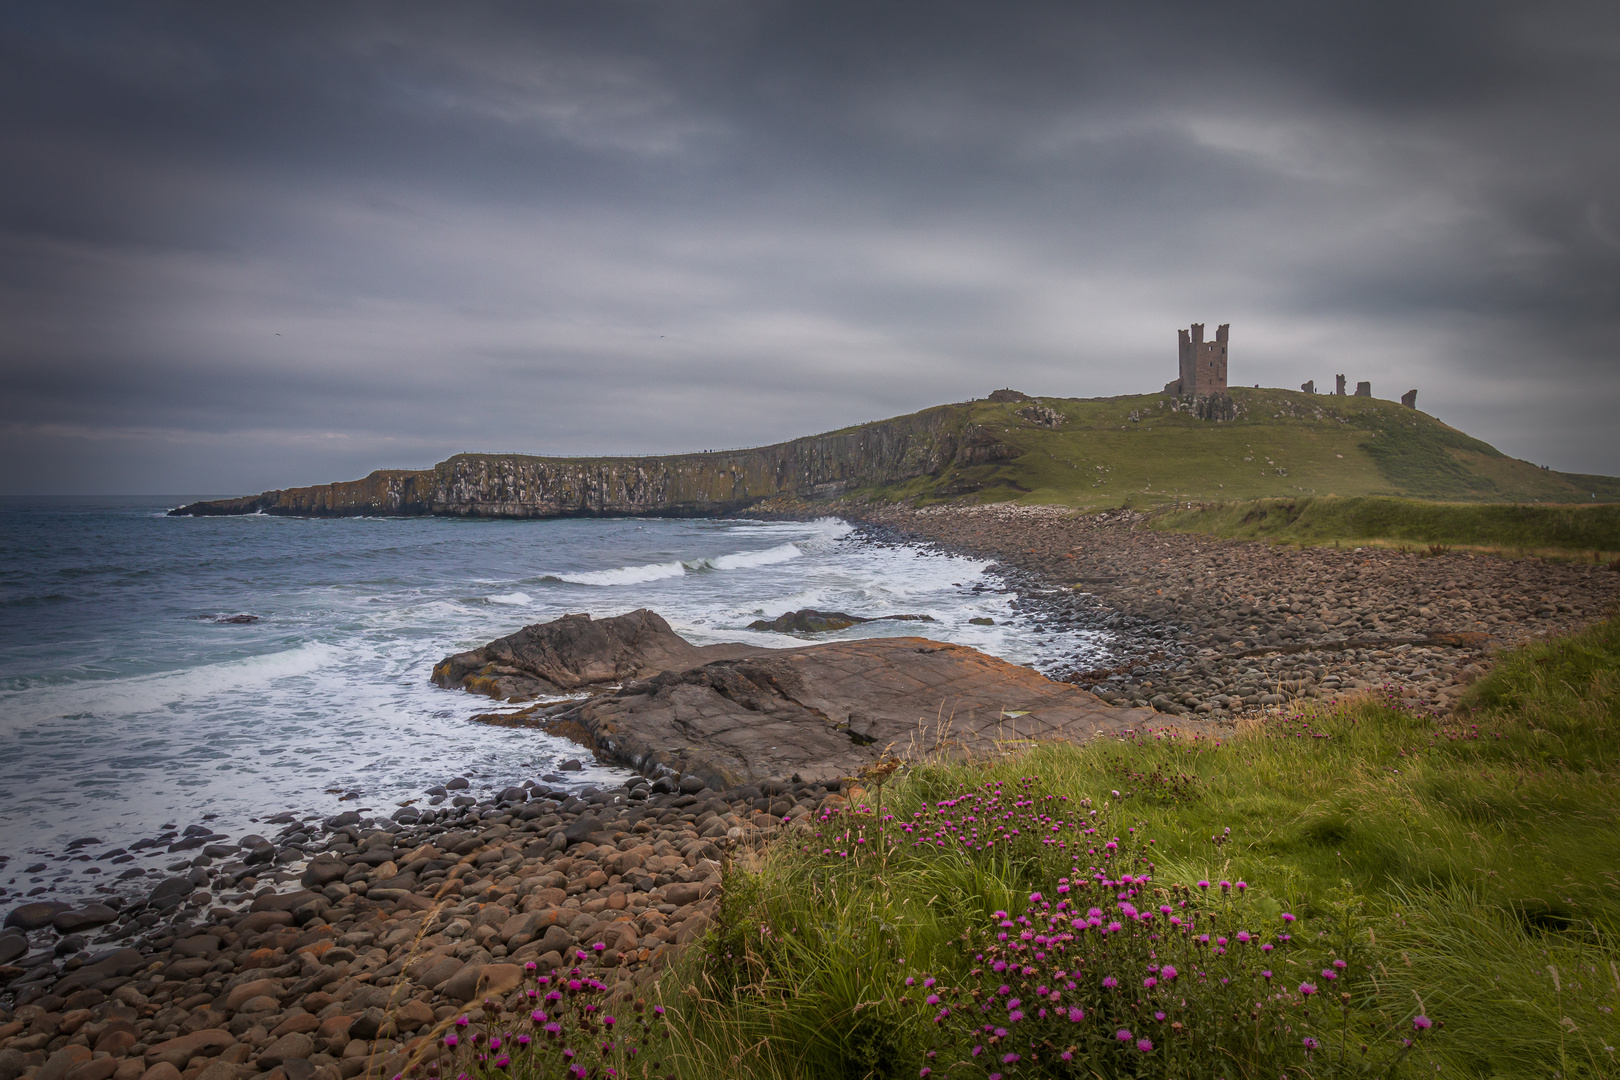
(1209, 629)
(323, 970)
(292, 962)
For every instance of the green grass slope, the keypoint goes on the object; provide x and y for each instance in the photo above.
(1136, 451)
(1462, 869)
(1584, 530)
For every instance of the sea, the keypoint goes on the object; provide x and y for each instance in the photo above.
(162, 672)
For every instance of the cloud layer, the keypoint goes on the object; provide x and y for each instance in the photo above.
(246, 249)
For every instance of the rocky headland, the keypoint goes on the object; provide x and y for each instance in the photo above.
(679, 485)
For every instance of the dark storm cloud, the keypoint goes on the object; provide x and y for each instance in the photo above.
(247, 249)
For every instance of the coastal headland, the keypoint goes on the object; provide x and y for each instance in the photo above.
(1081, 453)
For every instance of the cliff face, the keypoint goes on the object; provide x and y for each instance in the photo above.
(520, 486)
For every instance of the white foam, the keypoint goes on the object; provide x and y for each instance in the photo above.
(747, 560)
(514, 598)
(162, 690)
(625, 575)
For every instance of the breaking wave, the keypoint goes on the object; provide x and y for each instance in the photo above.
(637, 575)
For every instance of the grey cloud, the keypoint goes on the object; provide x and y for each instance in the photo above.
(639, 228)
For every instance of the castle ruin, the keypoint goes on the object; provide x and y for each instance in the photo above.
(1200, 387)
(1203, 364)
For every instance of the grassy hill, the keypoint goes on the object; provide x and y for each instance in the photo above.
(1135, 451)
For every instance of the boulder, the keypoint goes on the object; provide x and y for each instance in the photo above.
(322, 871)
(13, 943)
(68, 922)
(209, 1042)
(35, 915)
(57, 1065)
(575, 652)
(94, 1069)
(293, 1045)
(241, 995)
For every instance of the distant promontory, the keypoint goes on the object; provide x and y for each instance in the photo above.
(1138, 450)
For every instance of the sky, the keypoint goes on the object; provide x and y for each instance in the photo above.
(255, 246)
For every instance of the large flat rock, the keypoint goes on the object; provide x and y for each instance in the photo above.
(575, 653)
(737, 714)
(827, 711)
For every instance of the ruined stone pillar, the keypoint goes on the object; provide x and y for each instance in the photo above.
(1340, 391)
(1309, 386)
(1409, 399)
(1363, 389)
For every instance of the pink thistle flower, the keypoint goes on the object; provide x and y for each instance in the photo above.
(1422, 1023)
(1123, 1035)
(1307, 988)
(1144, 1045)
(1168, 972)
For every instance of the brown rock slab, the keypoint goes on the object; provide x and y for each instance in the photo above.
(828, 711)
(161, 1071)
(572, 652)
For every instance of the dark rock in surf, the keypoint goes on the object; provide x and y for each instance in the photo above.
(811, 621)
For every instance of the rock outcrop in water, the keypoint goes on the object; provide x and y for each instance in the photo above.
(811, 621)
(685, 485)
(735, 714)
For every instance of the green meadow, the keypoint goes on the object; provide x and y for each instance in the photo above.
(1453, 883)
(1591, 532)
(1137, 451)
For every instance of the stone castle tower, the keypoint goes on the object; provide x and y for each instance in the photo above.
(1203, 364)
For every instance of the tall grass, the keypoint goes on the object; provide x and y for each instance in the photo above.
(1570, 530)
(1468, 867)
